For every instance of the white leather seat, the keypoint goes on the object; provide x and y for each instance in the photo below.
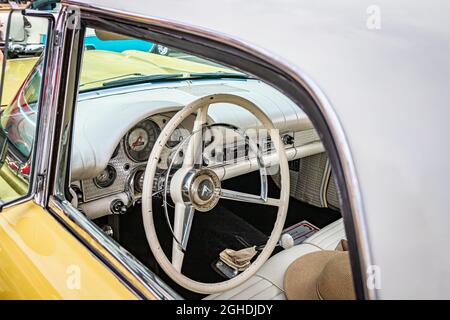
(267, 284)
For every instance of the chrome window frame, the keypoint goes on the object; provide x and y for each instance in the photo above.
(36, 177)
(292, 82)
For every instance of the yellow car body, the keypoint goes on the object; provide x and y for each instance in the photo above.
(12, 185)
(39, 258)
(17, 70)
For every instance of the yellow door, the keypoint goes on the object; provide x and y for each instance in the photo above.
(40, 259)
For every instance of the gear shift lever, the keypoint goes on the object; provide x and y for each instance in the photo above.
(286, 241)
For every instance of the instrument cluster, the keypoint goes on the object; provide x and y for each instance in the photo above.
(125, 170)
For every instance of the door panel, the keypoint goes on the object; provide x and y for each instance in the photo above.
(39, 259)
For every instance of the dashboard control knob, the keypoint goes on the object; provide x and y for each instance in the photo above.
(118, 207)
(287, 139)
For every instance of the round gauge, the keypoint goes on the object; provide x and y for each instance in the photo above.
(140, 140)
(139, 181)
(105, 178)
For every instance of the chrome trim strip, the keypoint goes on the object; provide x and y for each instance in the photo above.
(48, 110)
(16, 202)
(155, 285)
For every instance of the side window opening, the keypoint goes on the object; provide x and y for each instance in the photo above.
(129, 91)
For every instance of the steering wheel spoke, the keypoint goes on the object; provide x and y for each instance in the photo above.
(194, 149)
(247, 197)
(184, 214)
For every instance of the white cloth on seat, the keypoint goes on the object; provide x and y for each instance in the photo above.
(267, 284)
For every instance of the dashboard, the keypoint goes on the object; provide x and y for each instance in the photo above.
(119, 185)
(108, 158)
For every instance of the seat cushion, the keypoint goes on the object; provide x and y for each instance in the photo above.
(267, 284)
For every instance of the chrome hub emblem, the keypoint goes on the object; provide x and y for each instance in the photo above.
(202, 189)
(205, 190)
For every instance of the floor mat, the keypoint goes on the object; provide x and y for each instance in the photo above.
(213, 232)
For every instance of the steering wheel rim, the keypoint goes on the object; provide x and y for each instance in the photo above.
(173, 268)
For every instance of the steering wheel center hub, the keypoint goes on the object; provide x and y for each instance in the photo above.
(202, 189)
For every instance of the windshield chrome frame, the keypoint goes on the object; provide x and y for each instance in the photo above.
(36, 178)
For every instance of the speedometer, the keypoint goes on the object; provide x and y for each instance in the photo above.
(140, 140)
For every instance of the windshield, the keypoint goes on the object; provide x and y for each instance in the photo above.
(111, 60)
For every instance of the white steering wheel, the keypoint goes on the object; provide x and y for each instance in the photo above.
(189, 179)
